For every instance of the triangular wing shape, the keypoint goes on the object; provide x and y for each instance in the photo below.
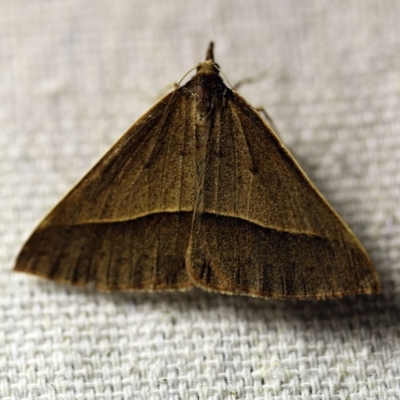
(200, 192)
(262, 228)
(117, 227)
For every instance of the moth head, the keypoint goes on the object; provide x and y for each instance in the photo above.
(209, 66)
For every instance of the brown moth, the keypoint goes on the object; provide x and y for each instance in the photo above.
(200, 192)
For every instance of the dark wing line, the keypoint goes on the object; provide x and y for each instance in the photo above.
(222, 214)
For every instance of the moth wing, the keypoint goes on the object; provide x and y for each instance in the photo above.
(117, 227)
(264, 229)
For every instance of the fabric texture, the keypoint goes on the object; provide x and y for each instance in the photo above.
(74, 75)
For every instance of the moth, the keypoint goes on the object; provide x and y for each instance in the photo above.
(200, 192)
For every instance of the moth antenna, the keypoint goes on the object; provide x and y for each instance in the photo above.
(225, 77)
(184, 76)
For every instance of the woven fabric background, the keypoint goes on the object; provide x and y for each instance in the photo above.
(75, 74)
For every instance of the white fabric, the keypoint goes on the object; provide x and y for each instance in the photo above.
(74, 75)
